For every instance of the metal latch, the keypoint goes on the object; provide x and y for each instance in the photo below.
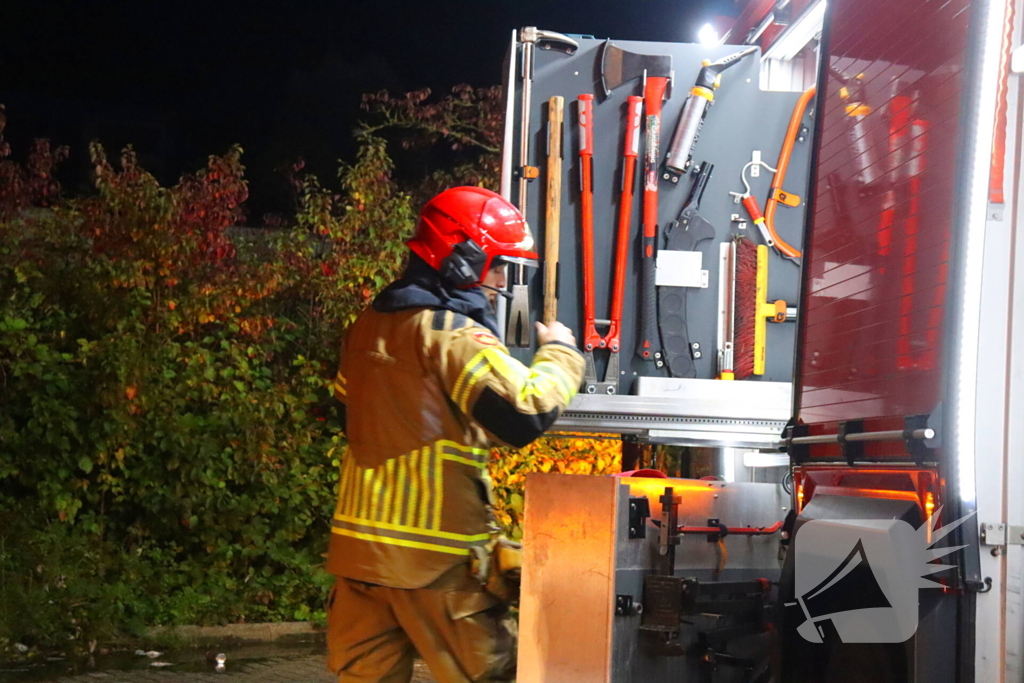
(626, 607)
(639, 511)
(1001, 534)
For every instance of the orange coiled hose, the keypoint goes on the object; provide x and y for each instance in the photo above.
(780, 174)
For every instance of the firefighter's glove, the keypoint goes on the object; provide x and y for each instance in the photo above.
(498, 566)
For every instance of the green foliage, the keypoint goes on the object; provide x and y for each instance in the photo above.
(565, 454)
(157, 411)
(165, 429)
(168, 449)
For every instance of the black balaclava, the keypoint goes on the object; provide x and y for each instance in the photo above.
(423, 287)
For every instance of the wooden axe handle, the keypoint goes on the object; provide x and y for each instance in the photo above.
(556, 108)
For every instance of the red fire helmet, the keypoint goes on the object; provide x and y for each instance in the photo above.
(464, 231)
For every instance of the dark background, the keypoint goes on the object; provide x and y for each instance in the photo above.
(184, 80)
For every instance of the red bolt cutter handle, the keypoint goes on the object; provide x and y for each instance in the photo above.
(585, 119)
(634, 112)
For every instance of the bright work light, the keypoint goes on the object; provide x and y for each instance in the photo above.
(707, 35)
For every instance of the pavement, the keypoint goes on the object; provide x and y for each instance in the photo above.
(309, 669)
(240, 667)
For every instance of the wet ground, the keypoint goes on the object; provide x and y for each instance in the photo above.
(261, 663)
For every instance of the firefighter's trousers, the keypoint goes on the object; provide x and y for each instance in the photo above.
(461, 631)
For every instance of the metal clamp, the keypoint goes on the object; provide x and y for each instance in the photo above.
(850, 437)
(852, 450)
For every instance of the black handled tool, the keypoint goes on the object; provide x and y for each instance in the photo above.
(685, 233)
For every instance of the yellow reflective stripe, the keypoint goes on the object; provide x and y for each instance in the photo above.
(378, 485)
(366, 493)
(414, 488)
(552, 369)
(357, 484)
(346, 476)
(464, 461)
(536, 381)
(467, 370)
(538, 384)
(400, 497)
(341, 487)
(438, 486)
(479, 456)
(463, 403)
(424, 474)
(389, 489)
(353, 492)
(342, 479)
(433, 533)
(465, 449)
(401, 542)
(513, 372)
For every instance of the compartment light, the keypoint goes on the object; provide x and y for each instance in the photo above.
(973, 244)
(729, 464)
(929, 504)
(799, 34)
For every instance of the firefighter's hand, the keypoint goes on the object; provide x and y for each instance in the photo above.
(555, 332)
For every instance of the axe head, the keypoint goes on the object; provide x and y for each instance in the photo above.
(619, 66)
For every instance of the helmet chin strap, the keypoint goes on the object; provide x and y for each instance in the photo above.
(499, 292)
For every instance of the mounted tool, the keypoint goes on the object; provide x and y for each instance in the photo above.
(750, 203)
(611, 339)
(530, 37)
(753, 310)
(702, 96)
(618, 67)
(776, 195)
(679, 268)
(552, 231)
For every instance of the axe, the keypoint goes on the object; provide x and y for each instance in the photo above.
(618, 67)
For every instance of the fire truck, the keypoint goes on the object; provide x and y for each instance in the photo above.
(795, 251)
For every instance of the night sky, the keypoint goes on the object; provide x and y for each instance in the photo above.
(184, 80)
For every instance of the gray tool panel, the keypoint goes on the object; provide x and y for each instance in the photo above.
(742, 119)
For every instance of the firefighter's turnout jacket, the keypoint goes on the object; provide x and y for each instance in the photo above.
(428, 391)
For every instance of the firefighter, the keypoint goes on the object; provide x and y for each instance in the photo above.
(427, 389)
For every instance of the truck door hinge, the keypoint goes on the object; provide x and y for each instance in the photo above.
(998, 534)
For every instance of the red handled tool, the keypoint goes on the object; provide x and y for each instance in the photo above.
(648, 348)
(751, 205)
(618, 67)
(723, 530)
(611, 339)
(634, 106)
(585, 120)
